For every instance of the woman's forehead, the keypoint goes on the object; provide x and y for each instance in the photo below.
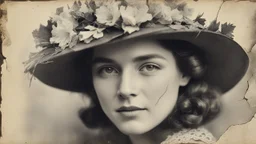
(131, 47)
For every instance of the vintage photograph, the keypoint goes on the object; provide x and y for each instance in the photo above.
(129, 72)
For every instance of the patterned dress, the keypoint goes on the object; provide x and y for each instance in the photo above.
(191, 136)
(184, 136)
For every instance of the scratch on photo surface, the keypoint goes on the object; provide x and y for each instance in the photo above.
(162, 94)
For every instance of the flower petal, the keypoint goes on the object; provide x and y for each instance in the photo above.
(115, 12)
(142, 14)
(85, 9)
(102, 14)
(128, 15)
(130, 29)
(88, 40)
(108, 14)
(100, 29)
(98, 35)
(64, 43)
(83, 35)
(155, 9)
(176, 15)
(91, 28)
(161, 12)
(136, 3)
(73, 41)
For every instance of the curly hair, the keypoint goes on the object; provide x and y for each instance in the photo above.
(198, 102)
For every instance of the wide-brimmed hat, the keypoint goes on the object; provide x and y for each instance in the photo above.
(71, 32)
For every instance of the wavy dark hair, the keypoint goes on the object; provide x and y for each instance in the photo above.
(198, 102)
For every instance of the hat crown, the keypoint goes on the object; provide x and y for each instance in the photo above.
(85, 22)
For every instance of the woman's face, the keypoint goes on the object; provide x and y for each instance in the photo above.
(137, 84)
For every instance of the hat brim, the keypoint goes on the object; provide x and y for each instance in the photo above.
(227, 62)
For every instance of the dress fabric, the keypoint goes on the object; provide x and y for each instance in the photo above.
(191, 136)
(184, 136)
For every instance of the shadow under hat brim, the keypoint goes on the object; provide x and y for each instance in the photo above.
(226, 61)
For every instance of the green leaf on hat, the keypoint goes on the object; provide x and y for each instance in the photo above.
(75, 6)
(200, 20)
(91, 4)
(214, 26)
(42, 35)
(227, 29)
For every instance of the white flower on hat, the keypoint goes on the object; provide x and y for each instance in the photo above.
(164, 14)
(93, 33)
(84, 22)
(63, 33)
(64, 16)
(108, 13)
(176, 15)
(80, 9)
(136, 3)
(133, 17)
(161, 12)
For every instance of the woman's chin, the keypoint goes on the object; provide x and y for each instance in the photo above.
(134, 128)
(132, 131)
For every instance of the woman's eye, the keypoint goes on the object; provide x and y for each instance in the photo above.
(107, 71)
(149, 68)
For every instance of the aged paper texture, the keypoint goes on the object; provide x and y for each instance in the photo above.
(33, 112)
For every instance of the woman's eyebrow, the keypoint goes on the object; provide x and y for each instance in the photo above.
(102, 60)
(147, 57)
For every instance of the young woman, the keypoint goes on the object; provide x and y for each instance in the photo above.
(148, 84)
(149, 89)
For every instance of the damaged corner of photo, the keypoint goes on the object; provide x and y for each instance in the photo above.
(239, 104)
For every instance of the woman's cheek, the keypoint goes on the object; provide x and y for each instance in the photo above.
(105, 88)
(154, 84)
(158, 86)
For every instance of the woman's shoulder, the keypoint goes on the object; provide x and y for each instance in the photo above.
(191, 136)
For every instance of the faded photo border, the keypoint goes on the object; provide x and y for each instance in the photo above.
(241, 133)
(2, 58)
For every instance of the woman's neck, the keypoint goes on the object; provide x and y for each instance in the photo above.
(155, 136)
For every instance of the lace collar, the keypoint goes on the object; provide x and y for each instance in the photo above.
(191, 136)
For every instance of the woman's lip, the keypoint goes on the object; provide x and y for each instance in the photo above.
(129, 109)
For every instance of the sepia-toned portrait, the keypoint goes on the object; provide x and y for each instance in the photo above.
(129, 72)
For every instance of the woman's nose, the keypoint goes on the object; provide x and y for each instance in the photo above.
(128, 86)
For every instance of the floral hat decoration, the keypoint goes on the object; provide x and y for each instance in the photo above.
(92, 23)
